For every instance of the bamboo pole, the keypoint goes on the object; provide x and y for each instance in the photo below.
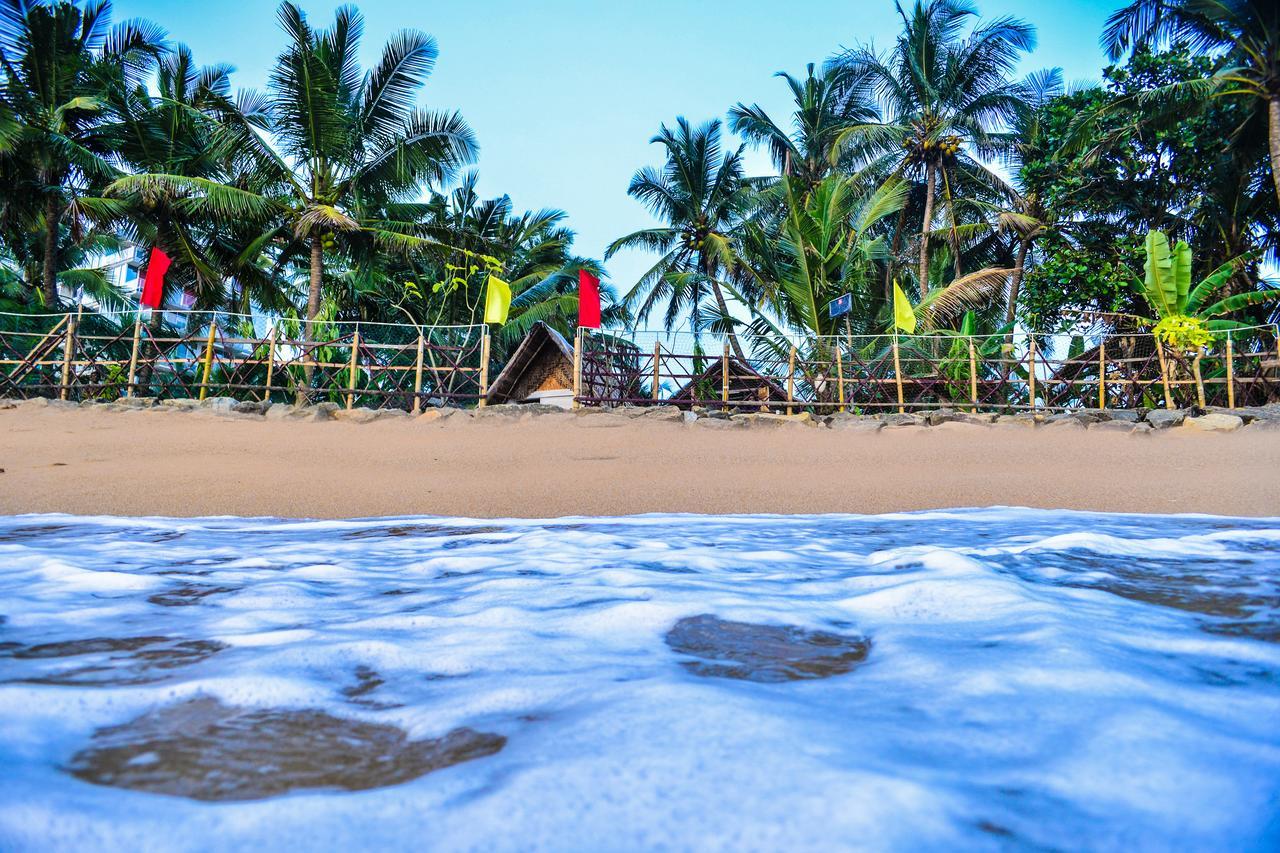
(417, 373)
(657, 361)
(791, 381)
(68, 347)
(1195, 369)
(1102, 374)
(1164, 372)
(724, 375)
(351, 368)
(133, 355)
(897, 376)
(208, 358)
(840, 376)
(271, 362)
(1231, 374)
(484, 370)
(577, 369)
(973, 376)
(1031, 370)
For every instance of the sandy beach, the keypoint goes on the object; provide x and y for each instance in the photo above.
(160, 462)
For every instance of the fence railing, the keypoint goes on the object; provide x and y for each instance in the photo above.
(885, 373)
(100, 356)
(95, 356)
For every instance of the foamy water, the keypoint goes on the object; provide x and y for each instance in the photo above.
(996, 679)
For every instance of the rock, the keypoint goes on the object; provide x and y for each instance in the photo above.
(941, 416)
(719, 648)
(1131, 416)
(1248, 414)
(363, 415)
(1142, 429)
(663, 413)
(1080, 416)
(853, 423)
(6, 403)
(440, 414)
(1214, 423)
(1065, 425)
(1025, 419)
(252, 407)
(961, 427)
(768, 420)
(219, 404)
(1264, 425)
(181, 404)
(1165, 418)
(137, 402)
(898, 419)
(318, 412)
(717, 423)
(1120, 427)
(210, 752)
(688, 417)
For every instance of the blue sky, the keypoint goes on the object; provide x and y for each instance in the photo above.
(565, 94)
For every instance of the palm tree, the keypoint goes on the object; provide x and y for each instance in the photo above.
(946, 97)
(700, 195)
(351, 145)
(826, 105)
(60, 62)
(1247, 32)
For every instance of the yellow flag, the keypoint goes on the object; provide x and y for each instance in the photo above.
(497, 301)
(904, 317)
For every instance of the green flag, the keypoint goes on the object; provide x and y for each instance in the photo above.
(497, 301)
(904, 317)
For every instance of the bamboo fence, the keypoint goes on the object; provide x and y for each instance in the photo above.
(98, 356)
(887, 373)
(101, 356)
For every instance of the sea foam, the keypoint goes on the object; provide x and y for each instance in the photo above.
(964, 679)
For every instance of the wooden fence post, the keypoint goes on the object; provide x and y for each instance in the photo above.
(839, 375)
(897, 376)
(417, 373)
(1102, 374)
(1031, 371)
(484, 370)
(271, 363)
(1164, 371)
(724, 375)
(208, 357)
(791, 381)
(577, 369)
(1231, 374)
(133, 355)
(1195, 370)
(657, 361)
(973, 376)
(68, 349)
(351, 375)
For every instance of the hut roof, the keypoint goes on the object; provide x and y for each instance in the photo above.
(541, 345)
(744, 382)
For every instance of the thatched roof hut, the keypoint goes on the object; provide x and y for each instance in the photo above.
(539, 371)
(746, 385)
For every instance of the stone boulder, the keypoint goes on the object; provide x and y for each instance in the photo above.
(363, 415)
(1166, 418)
(252, 407)
(219, 404)
(901, 419)
(1067, 424)
(1213, 423)
(758, 419)
(183, 404)
(853, 423)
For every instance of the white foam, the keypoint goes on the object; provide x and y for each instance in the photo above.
(1027, 685)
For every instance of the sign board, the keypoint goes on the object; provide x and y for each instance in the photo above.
(840, 306)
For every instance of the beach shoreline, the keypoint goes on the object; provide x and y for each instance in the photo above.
(166, 462)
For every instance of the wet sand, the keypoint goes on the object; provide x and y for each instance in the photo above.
(93, 461)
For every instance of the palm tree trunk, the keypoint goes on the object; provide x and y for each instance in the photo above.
(1015, 280)
(930, 188)
(313, 311)
(894, 246)
(724, 312)
(1273, 129)
(49, 280)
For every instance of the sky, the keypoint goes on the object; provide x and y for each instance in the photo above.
(564, 95)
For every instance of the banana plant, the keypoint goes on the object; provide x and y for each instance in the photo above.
(1186, 315)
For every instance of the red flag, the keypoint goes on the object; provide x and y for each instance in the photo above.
(588, 300)
(153, 285)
